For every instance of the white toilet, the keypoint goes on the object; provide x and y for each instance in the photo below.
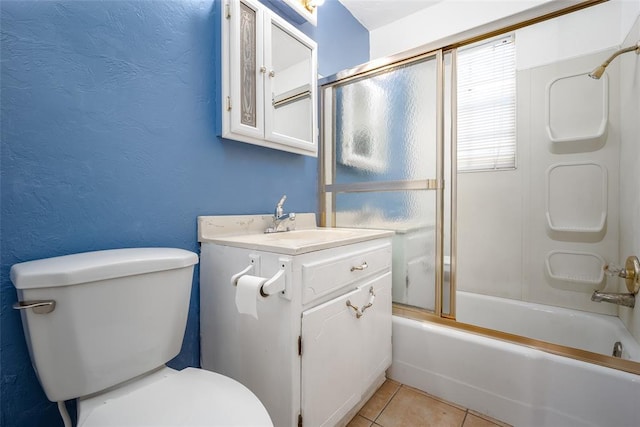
(101, 325)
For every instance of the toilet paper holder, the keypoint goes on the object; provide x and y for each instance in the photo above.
(278, 283)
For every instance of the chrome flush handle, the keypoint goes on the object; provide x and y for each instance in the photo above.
(39, 307)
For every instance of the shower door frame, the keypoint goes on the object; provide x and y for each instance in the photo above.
(441, 48)
(436, 184)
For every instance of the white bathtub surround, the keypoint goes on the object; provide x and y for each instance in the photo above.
(529, 258)
(519, 385)
(630, 173)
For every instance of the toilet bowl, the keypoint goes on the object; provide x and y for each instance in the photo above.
(100, 327)
(191, 397)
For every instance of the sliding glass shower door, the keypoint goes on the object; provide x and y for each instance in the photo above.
(382, 167)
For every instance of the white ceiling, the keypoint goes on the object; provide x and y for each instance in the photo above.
(374, 14)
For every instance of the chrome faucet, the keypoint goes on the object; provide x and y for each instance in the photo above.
(628, 300)
(279, 217)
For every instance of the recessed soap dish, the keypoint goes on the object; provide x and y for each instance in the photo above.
(576, 267)
(577, 197)
(577, 109)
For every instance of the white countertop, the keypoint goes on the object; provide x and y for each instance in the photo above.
(247, 231)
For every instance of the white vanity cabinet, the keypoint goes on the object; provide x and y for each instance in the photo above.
(269, 80)
(344, 354)
(317, 350)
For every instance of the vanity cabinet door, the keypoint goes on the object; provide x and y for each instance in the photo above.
(330, 364)
(375, 329)
(343, 353)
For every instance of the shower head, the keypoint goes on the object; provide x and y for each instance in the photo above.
(599, 70)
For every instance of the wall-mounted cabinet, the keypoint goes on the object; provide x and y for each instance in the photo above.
(269, 80)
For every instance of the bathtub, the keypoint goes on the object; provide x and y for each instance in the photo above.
(572, 328)
(519, 385)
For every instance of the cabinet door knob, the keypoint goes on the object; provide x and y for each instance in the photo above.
(272, 73)
(360, 267)
(263, 69)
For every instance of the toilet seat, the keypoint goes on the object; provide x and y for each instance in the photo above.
(191, 397)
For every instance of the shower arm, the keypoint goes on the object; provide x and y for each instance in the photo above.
(598, 71)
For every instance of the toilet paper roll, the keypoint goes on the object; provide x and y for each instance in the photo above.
(247, 294)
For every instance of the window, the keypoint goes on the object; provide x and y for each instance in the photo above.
(487, 106)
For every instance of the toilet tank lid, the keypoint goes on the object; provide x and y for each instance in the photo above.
(99, 265)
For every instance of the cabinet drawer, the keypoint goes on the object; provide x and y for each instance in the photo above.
(332, 273)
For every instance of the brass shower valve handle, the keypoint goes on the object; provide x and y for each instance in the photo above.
(614, 270)
(630, 273)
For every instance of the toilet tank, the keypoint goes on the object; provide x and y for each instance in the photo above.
(118, 314)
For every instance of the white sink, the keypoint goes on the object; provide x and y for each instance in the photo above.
(311, 236)
(290, 242)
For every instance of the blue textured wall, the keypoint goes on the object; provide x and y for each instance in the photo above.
(108, 113)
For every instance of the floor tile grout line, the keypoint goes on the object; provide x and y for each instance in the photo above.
(438, 399)
(388, 402)
(466, 412)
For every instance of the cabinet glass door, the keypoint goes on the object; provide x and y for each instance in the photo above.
(247, 68)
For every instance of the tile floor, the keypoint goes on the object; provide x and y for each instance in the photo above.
(398, 405)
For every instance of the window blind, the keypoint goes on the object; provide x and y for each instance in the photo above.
(486, 124)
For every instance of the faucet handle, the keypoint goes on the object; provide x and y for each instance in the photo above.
(630, 273)
(278, 212)
(614, 270)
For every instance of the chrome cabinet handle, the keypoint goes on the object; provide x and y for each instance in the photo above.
(360, 267)
(39, 307)
(372, 296)
(355, 308)
(263, 69)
